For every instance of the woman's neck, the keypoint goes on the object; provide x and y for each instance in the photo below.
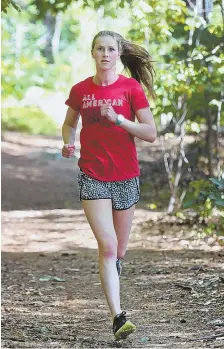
(105, 78)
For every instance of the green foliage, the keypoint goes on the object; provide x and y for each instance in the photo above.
(18, 77)
(69, 34)
(21, 40)
(51, 6)
(29, 120)
(6, 3)
(110, 8)
(216, 227)
(205, 195)
(188, 54)
(55, 6)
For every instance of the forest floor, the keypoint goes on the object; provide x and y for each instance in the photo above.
(172, 284)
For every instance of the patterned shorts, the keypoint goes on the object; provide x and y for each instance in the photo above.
(124, 194)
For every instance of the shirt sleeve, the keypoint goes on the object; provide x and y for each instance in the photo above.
(73, 100)
(138, 97)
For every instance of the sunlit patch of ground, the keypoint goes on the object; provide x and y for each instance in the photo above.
(172, 283)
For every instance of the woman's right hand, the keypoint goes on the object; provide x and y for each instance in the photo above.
(68, 150)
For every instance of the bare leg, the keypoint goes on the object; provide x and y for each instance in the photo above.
(122, 224)
(100, 218)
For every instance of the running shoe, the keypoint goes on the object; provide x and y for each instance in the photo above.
(122, 328)
(119, 266)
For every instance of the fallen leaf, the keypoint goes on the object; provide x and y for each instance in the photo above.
(51, 278)
(144, 339)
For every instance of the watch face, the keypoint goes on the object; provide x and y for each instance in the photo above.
(120, 118)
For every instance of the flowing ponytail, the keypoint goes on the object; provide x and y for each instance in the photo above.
(134, 58)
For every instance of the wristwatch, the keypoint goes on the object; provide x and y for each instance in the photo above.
(120, 120)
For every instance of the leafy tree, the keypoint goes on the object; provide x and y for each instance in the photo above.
(6, 3)
(205, 196)
(211, 191)
(184, 37)
(186, 41)
(23, 44)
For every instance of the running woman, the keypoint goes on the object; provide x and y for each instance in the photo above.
(109, 172)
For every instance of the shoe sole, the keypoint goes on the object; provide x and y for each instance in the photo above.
(125, 330)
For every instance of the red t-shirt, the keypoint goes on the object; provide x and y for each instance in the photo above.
(108, 152)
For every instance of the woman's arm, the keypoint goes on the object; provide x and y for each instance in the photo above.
(70, 125)
(145, 129)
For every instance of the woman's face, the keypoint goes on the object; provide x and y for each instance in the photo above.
(105, 53)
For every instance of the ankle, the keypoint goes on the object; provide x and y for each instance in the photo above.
(120, 313)
(116, 314)
(120, 258)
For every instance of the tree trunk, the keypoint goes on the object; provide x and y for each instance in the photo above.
(202, 8)
(49, 22)
(20, 32)
(56, 37)
(209, 141)
(218, 134)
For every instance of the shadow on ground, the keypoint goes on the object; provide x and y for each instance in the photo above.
(38, 179)
(173, 298)
(170, 287)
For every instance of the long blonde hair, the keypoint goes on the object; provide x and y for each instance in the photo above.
(134, 58)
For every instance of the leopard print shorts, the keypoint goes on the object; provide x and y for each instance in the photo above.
(124, 194)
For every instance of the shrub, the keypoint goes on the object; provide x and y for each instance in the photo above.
(203, 197)
(30, 120)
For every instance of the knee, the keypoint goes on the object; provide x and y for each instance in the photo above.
(108, 247)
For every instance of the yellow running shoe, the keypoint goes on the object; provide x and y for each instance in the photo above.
(121, 327)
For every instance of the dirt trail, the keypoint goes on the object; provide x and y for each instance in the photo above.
(172, 284)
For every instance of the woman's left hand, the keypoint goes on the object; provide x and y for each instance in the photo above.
(108, 111)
